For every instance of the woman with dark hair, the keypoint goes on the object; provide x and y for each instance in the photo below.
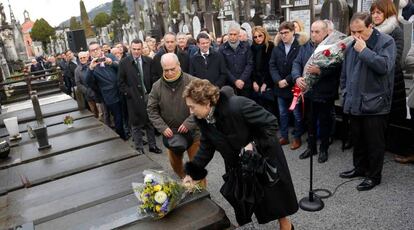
(230, 124)
(262, 49)
(385, 19)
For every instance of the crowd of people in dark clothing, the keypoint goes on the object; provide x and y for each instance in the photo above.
(116, 81)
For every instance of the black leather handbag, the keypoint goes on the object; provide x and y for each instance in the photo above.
(252, 162)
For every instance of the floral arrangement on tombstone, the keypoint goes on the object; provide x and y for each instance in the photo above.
(160, 194)
(68, 121)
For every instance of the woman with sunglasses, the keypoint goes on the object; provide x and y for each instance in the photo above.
(262, 49)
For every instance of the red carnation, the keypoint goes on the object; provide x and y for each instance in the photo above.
(343, 46)
(327, 53)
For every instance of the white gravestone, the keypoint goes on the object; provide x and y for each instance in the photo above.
(196, 26)
(248, 29)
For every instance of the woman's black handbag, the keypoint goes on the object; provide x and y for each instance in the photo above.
(252, 162)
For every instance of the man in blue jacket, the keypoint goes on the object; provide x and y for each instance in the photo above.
(280, 66)
(367, 83)
(102, 77)
(239, 61)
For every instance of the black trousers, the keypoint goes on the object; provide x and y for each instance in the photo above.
(321, 113)
(368, 137)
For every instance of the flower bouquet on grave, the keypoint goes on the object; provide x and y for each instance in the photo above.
(330, 51)
(160, 194)
(68, 121)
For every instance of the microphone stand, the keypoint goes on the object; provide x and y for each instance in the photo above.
(311, 203)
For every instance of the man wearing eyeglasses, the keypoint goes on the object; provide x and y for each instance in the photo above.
(239, 61)
(102, 77)
(80, 79)
(280, 66)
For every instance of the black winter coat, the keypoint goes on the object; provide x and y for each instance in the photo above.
(156, 69)
(130, 85)
(280, 67)
(261, 72)
(326, 89)
(240, 121)
(398, 106)
(239, 63)
(215, 71)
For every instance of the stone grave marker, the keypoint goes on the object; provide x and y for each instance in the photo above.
(196, 26)
(337, 11)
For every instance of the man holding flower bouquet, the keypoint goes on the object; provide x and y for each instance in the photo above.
(323, 91)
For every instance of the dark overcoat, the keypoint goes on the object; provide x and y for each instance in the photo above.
(280, 67)
(239, 63)
(213, 70)
(399, 105)
(130, 85)
(239, 121)
(183, 57)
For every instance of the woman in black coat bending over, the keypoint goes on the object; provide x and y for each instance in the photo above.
(228, 123)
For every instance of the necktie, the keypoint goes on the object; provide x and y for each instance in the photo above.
(141, 75)
(205, 59)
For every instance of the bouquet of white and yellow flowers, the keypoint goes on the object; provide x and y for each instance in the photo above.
(159, 194)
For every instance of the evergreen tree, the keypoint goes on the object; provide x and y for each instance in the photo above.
(42, 31)
(174, 6)
(74, 24)
(120, 16)
(86, 25)
(119, 12)
(102, 19)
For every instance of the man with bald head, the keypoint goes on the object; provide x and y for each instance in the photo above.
(323, 93)
(168, 112)
(170, 46)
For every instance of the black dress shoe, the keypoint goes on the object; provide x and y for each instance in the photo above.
(367, 184)
(140, 151)
(351, 174)
(323, 156)
(306, 154)
(155, 149)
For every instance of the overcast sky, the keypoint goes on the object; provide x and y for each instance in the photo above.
(53, 11)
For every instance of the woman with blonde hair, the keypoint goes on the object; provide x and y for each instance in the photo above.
(262, 49)
(146, 50)
(299, 26)
(237, 128)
